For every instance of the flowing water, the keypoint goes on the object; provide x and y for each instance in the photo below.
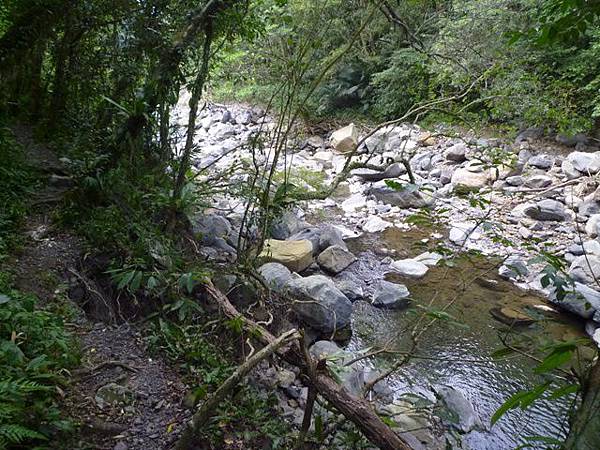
(459, 355)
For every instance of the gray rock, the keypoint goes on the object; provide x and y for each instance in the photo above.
(571, 141)
(286, 225)
(319, 304)
(589, 207)
(462, 414)
(592, 226)
(113, 394)
(390, 295)
(538, 181)
(213, 230)
(352, 377)
(546, 210)
(392, 171)
(515, 180)
(584, 162)
(513, 268)
(569, 170)
(530, 134)
(321, 238)
(276, 275)
(585, 269)
(544, 162)
(581, 300)
(410, 268)
(456, 153)
(350, 289)
(421, 161)
(406, 198)
(334, 259)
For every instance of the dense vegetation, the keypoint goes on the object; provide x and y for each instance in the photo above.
(99, 80)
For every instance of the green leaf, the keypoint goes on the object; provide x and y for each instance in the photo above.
(554, 360)
(564, 391)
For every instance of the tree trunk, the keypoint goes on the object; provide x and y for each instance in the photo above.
(585, 429)
(356, 409)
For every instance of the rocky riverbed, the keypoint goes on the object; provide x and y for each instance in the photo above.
(358, 259)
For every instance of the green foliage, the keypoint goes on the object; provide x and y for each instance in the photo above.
(248, 416)
(35, 351)
(16, 181)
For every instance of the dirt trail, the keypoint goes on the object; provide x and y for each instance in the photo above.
(122, 396)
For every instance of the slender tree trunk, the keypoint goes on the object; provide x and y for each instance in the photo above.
(585, 429)
(194, 101)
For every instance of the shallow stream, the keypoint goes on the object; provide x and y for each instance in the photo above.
(459, 355)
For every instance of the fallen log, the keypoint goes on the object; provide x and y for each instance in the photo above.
(355, 409)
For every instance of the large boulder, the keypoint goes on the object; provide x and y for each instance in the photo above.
(214, 231)
(581, 300)
(410, 268)
(546, 210)
(320, 237)
(276, 275)
(286, 225)
(586, 269)
(295, 255)
(334, 259)
(587, 163)
(390, 295)
(319, 304)
(405, 198)
(345, 139)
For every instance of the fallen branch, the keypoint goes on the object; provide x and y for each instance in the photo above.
(209, 406)
(356, 409)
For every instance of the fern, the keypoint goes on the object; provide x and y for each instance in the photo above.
(16, 434)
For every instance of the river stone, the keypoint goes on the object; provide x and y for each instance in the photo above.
(569, 170)
(286, 225)
(585, 269)
(210, 227)
(511, 317)
(334, 259)
(581, 300)
(320, 238)
(113, 394)
(354, 202)
(295, 255)
(516, 180)
(410, 268)
(538, 181)
(350, 289)
(392, 171)
(592, 226)
(461, 232)
(406, 198)
(352, 377)
(276, 275)
(319, 304)
(375, 224)
(390, 295)
(463, 415)
(345, 139)
(589, 207)
(429, 258)
(513, 268)
(585, 162)
(546, 210)
(456, 153)
(542, 161)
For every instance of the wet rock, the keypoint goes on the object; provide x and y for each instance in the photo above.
(406, 198)
(462, 415)
(295, 255)
(585, 269)
(352, 377)
(390, 295)
(375, 224)
(276, 275)
(429, 258)
(546, 210)
(334, 259)
(513, 268)
(542, 161)
(511, 317)
(457, 153)
(345, 139)
(319, 304)
(580, 299)
(409, 268)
